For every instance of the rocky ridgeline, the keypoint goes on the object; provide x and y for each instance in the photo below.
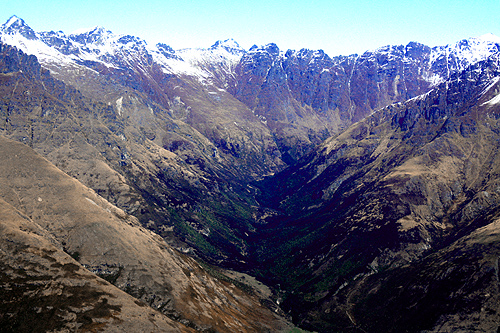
(302, 97)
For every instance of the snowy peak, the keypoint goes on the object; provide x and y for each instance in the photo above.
(270, 48)
(98, 46)
(308, 55)
(16, 25)
(214, 64)
(167, 51)
(490, 38)
(456, 57)
(230, 45)
(468, 51)
(96, 35)
(13, 22)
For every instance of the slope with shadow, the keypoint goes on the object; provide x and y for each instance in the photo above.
(383, 201)
(178, 188)
(386, 200)
(306, 95)
(48, 212)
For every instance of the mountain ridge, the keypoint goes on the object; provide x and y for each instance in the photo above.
(342, 90)
(111, 244)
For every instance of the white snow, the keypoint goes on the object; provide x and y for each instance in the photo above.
(433, 79)
(198, 62)
(492, 83)
(83, 31)
(495, 100)
(119, 104)
(92, 201)
(11, 21)
(217, 61)
(228, 43)
(36, 47)
(489, 38)
(468, 51)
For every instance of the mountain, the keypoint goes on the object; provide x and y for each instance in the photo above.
(375, 225)
(293, 99)
(61, 235)
(134, 153)
(353, 186)
(72, 298)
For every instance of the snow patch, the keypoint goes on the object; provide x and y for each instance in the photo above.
(35, 47)
(433, 79)
(91, 201)
(495, 100)
(13, 20)
(489, 38)
(119, 105)
(83, 31)
(492, 83)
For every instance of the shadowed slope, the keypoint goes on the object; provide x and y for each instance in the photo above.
(112, 244)
(411, 179)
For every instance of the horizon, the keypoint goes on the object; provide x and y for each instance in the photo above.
(361, 26)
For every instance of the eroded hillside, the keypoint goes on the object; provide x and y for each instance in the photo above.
(59, 232)
(396, 195)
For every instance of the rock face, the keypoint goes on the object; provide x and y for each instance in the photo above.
(283, 103)
(125, 162)
(44, 289)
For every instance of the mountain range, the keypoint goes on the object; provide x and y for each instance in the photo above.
(362, 189)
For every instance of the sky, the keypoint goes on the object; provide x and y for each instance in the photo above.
(337, 27)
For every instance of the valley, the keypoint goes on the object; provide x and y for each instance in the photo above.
(256, 190)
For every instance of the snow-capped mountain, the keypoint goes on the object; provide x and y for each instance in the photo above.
(291, 92)
(99, 45)
(16, 25)
(458, 56)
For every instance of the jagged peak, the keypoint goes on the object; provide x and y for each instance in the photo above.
(227, 44)
(271, 48)
(471, 50)
(14, 21)
(483, 41)
(90, 31)
(92, 35)
(15, 24)
(165, 47)
(307, 53)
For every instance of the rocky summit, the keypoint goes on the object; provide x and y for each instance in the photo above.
(234, 190)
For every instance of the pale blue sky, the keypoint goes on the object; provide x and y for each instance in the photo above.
(338, 27)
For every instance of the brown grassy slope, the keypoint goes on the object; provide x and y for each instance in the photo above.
(44, 289)
(111, 244)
